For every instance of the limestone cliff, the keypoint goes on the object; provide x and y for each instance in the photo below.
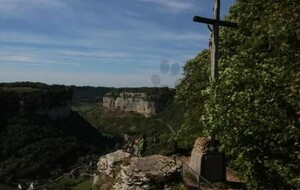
(130, 102)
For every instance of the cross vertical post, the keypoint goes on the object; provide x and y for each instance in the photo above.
(215, 57)
(215, 42)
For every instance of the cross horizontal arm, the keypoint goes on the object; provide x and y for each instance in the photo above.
(212, 21)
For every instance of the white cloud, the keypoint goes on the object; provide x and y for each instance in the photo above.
(173, 5)
(183, 36)
(131, 13)
(20, 8)
(16, 58)
(94, 38)
(18, 37)
(89, 39)
(98, 54)
(25, 59)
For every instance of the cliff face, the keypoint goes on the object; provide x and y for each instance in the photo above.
(130, 102)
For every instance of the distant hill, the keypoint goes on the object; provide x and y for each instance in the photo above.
(89, 94)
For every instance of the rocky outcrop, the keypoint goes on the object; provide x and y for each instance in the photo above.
(200, 149)
(130, 102)
(136, 173)
(107, 164)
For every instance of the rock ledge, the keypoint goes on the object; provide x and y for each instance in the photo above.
(137, 173)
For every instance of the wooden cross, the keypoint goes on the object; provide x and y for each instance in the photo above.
(216, 22)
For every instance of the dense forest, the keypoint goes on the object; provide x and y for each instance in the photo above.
(13, 96)
(33, 145)
(254, 106)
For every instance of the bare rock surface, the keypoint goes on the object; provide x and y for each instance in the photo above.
(138, 173)
(130, 102)
(107, 163)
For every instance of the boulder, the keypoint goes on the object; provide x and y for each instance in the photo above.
(137, 173)
(147, 173)
(107, 163)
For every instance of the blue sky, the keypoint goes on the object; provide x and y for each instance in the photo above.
(100, 42)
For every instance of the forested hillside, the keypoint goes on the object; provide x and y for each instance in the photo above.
(254, 106)
(33, 145)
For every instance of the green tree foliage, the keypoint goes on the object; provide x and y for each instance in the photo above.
(252, 107)
(33, 95)
(32, 145)
(189, 96)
